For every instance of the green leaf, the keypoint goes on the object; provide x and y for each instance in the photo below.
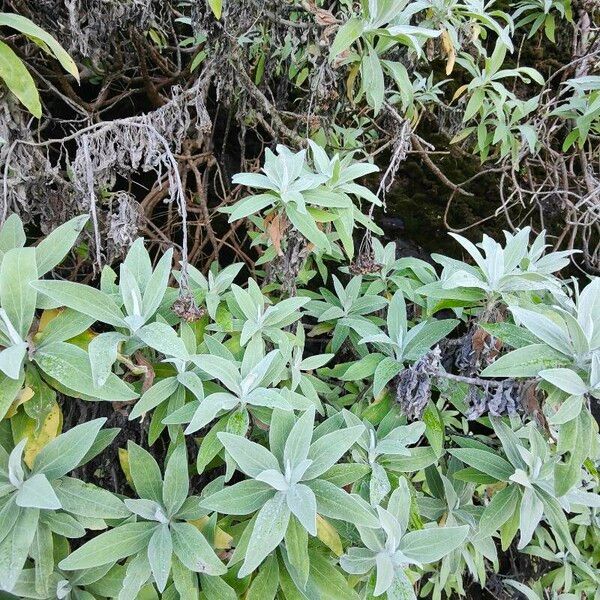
(12, 234)
(17, 298)
(242, 498)
(525, 362)
(499, 510)
(110, 546)
(37, 34)
(296, 545)
(250, 457)
(36, 492)
(18, 80)
(194, 551)
(216, 6)
(176, 482)
(429, 545)
(266, 583)
(145, 473)
(65, 452)
(9, 388)
(88, 500)
(268, 531)
(15, 547)
(338, 504)
(70, 366)
(328, 449)
(154, 396)
(83, 298)
(487, 462)
(160, 551)
(54, 247)
(347, 34)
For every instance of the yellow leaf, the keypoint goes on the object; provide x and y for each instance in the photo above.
(222, 540)
(124, 462)
(217, 7)
(24, 395)
(459, 92)
(350, 81)
(47, 316)
(327, 533)
(448, 48)
(49, 430)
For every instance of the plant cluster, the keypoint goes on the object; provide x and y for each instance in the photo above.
(515, 84)
(385, 438)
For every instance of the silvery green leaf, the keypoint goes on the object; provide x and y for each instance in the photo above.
(139, 264)
(499, 510)
(15, 547)
(145, 473)
(9, 388)
(154, 396)
(160, 551)
(193, 383)
(327, 450)
(429, 545)
(16, 474)
(194, 551)
(12, 234)
(216, 587)
(242, 498)
(282, 423)
(250, 457)
(162, 337)
(110, 546)
(84, 299)
(399, 504)
(147, 509)
(379, 484)
(65, 452)
(36, 492)
(531, 512)
(303, 504)
(336, 503)
(485, 461)
(137, 574)
(525, 590)
(102, 351)
(568, 410)
(67, 324)
(176, 481)
(87, 500)
(219, 368)
(274, 478)
(17, 298)
(157, 285)
(298, 440)
(296, 550)
(385, 573)
(62, 524)
(55, 246)
(11, 359)
(545, 329)
(268, 531)
(251, 205)
(207, 410)
(421, 338)
(386, 370)
(358, 561)
(565, 379)
(527, 361)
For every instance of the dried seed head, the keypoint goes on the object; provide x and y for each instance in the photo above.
(185, 308)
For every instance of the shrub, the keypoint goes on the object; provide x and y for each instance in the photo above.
(381, 437)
